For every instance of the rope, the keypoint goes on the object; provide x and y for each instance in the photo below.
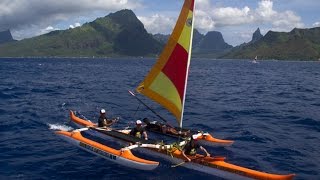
(173, 147)
(136, 111)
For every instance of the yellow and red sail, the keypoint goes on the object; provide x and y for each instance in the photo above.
(167, 81)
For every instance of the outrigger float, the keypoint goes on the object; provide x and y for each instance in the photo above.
(165, 84)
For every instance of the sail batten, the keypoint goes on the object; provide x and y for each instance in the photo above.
(167, 81)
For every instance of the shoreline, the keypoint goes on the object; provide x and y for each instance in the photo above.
(130, 57)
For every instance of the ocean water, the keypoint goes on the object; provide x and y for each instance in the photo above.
(271, 110)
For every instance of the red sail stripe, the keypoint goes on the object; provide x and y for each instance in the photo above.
(175, 69)
(192, 5)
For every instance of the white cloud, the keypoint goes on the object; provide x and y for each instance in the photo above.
(265, 10)
(286, 21)
(263, 14)
(74, 25)
(210, 17)
(33, 30)
(46, 30)
(316, 24)
(158, 23)
(203, 4)
(204, 22)
(49, 28)
(232, 16)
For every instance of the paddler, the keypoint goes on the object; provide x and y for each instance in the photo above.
(104, 121)
(139, 130)
(191, 148)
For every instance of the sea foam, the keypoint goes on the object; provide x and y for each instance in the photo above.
(60, 127)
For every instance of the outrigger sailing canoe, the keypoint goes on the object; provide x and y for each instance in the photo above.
(166, 84)
(210, 165)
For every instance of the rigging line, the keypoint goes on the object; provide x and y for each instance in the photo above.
(149, 108)
(136, 111)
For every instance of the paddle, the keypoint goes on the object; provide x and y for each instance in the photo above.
(217, 158)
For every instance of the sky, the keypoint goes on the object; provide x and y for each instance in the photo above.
(235, 19)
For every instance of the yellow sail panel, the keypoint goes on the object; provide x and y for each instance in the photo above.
(166, 82)
(184, 39)
(166, 90)
(157, 98)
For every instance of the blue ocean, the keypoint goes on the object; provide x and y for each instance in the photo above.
(271, 109)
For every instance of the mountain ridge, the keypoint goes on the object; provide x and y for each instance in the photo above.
(122, 34)
(117, 34)
(298, 44)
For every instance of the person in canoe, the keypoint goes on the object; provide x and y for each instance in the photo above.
(191, 149)
(138, 131)
(164, 128)
(103, 121)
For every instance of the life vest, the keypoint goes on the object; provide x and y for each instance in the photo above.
(191, 148)
(193, 151)
(138, 134)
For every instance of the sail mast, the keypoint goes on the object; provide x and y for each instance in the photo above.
(188, 65)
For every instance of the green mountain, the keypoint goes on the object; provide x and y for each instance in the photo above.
(299, 44)
(118, 34)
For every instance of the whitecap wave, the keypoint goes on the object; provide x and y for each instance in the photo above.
(60, 127)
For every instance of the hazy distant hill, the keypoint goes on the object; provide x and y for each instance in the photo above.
(5, 36)
(119, 33)
(197, 37)
(162, 38)
(299, 44)
(211, 45)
